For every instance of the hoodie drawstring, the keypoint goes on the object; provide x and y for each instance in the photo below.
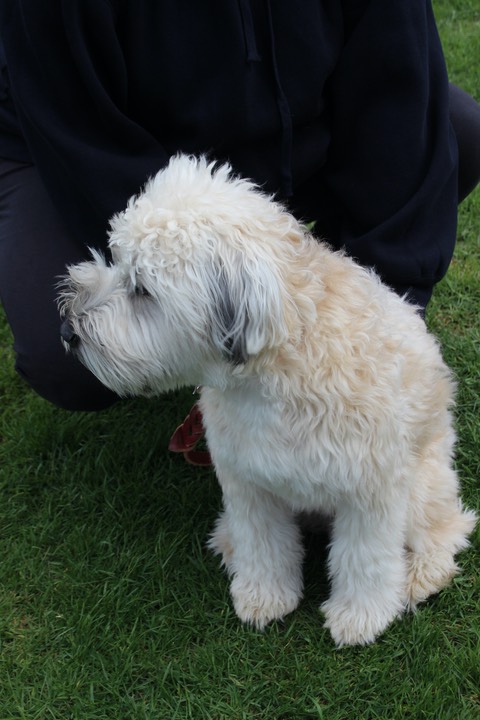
(252, 54)
(248, 31)
(285, 116)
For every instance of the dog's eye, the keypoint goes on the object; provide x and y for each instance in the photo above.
(141, 291)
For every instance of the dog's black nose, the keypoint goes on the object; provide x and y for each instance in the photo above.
(67, 333)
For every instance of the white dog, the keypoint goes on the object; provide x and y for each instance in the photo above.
(321, 390)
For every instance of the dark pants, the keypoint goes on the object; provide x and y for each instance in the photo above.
(35, 248)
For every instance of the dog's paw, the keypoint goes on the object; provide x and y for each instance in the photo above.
(429, 573)
(258, 604)
(353, 624)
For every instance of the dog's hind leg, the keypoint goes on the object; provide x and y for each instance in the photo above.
(438, 526)
(220, 543)
(260, 543)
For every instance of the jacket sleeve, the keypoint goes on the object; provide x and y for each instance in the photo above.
(392, 165)
(69, 83)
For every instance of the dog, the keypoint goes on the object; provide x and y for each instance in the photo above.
(321, 390)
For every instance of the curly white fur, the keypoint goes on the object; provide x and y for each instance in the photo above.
(322, 390)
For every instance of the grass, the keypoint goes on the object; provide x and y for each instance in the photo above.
(110, 607)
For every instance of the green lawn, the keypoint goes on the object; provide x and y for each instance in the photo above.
(110, 606)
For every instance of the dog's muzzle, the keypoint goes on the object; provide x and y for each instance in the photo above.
(67, 333)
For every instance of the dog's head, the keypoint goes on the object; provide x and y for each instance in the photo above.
(195, 283)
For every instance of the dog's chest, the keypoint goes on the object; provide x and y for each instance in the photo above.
(255, 442)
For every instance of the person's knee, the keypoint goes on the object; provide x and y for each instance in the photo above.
(64, 382)
(465, 117)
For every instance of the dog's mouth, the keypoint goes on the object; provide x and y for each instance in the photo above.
(92, 358)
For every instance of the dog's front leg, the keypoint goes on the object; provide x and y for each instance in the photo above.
(368, 571)
(261, 547)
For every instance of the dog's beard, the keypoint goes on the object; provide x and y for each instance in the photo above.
(115, 368)
(115, 342)
(124, 379)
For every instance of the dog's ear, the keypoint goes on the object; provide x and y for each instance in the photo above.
(246, 309)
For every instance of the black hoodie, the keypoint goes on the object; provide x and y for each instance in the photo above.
(340, 107)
